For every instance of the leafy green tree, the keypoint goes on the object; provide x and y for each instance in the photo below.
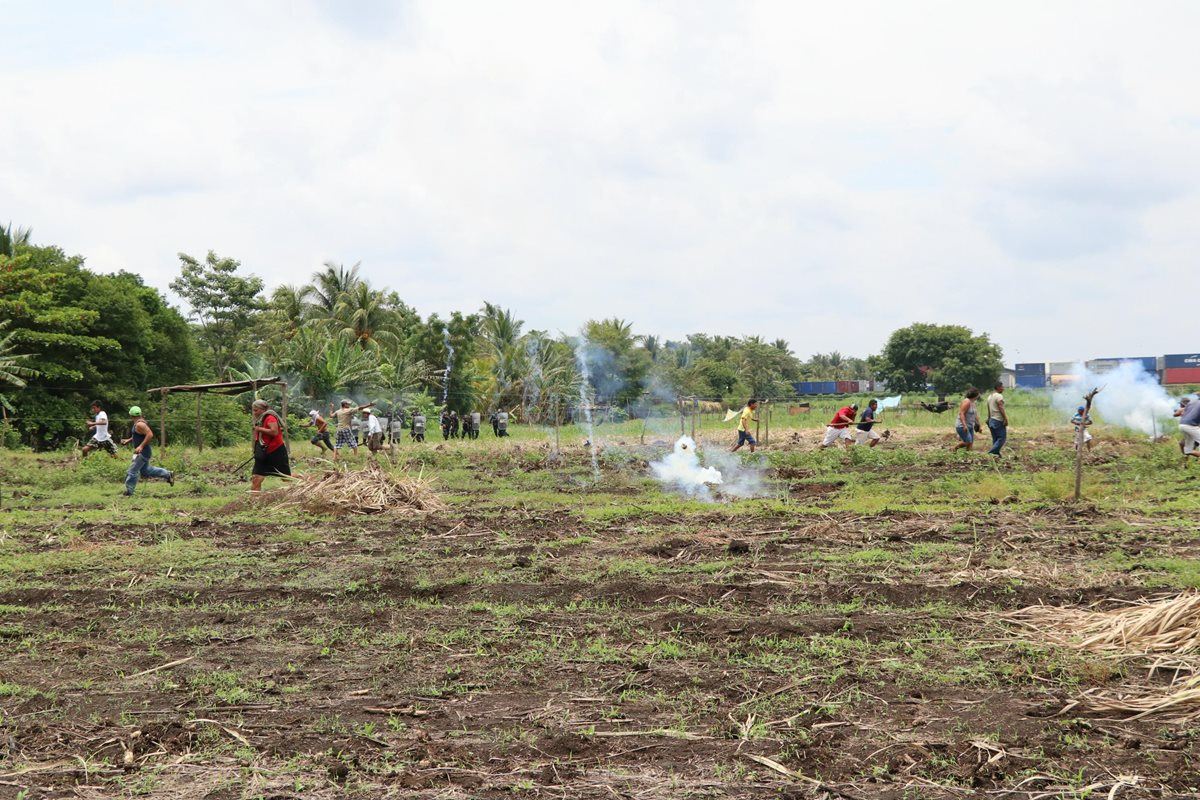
(617, 363)
(950, 357)
(223, 305)
(12, 370)
(89, 336)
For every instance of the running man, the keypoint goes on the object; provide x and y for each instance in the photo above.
(344, 417)
(839, 426)
(866, 423)
(142, 453)
(1079, 420)
(966, 425)
(101, 439)
(321, 437)
(743, 429)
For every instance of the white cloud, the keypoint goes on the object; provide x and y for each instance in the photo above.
(820, 174)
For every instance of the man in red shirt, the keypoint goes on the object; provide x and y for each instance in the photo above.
(270, 453)
(839, 427)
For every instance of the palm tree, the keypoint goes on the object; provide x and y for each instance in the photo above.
(10, 241)
(12, 371)
(290, 304)
(362, 315)
(331, 283)
(324, 364)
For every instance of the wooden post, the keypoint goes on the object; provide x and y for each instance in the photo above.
(1079, 431)
(758, 426)
(283, 422)
(199, 434)
(767, 434)
(679, 408)
(162, 420)
(695, 407)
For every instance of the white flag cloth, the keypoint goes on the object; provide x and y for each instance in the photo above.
(890, 402)
(731, 415)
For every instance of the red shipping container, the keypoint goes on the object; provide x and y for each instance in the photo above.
(847, 387)
(1177, 375)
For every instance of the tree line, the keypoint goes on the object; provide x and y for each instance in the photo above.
(68, 336)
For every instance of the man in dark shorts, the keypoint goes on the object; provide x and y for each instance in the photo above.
(101, 439)
(743, 430)
(321, 437)
(866, 435)
(270, 452)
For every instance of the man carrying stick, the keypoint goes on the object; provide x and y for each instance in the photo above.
(839, 426)
(865, 433)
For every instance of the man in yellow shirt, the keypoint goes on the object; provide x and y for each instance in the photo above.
(744, 436)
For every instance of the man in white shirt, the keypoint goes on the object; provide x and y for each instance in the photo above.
(374, 438)
(101, 439)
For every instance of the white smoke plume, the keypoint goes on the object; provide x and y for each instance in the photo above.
(682, 471)
(741, 479)
(1129, 396)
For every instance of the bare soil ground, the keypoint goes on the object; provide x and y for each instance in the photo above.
(512, 649)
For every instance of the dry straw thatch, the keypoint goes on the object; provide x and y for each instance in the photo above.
(1164, 633)
(1164, 627)
(366, 491)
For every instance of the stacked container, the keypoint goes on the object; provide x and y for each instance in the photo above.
(1181, 368)
(1031, 376)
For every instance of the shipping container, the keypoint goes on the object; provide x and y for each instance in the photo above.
(1038, 370)
(1174, 376)
(1182, 360)
(866, 386)
(847, 387)
(1031, 381)
(827, 387)
(1147, 363)
(1062, 367)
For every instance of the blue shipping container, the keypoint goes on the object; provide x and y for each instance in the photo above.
(1182, 361)
(1031, 381)
(827, 387)
(805, 387)
(1031, 369)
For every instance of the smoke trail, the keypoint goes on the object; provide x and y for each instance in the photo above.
(449, 359)
(1129, 396)
(581, 358)
(681, 470)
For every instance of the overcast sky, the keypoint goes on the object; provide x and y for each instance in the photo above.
(820, 172)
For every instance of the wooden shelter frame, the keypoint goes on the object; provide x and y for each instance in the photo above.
(228, 388)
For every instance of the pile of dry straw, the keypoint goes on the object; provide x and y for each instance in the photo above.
(366, 491)
(1165, 634)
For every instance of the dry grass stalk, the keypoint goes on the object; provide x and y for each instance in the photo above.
(1165, 627)
(1181, 699)
(366, 491)
(1165, 632)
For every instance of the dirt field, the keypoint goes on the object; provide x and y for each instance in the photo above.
(551, 637)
